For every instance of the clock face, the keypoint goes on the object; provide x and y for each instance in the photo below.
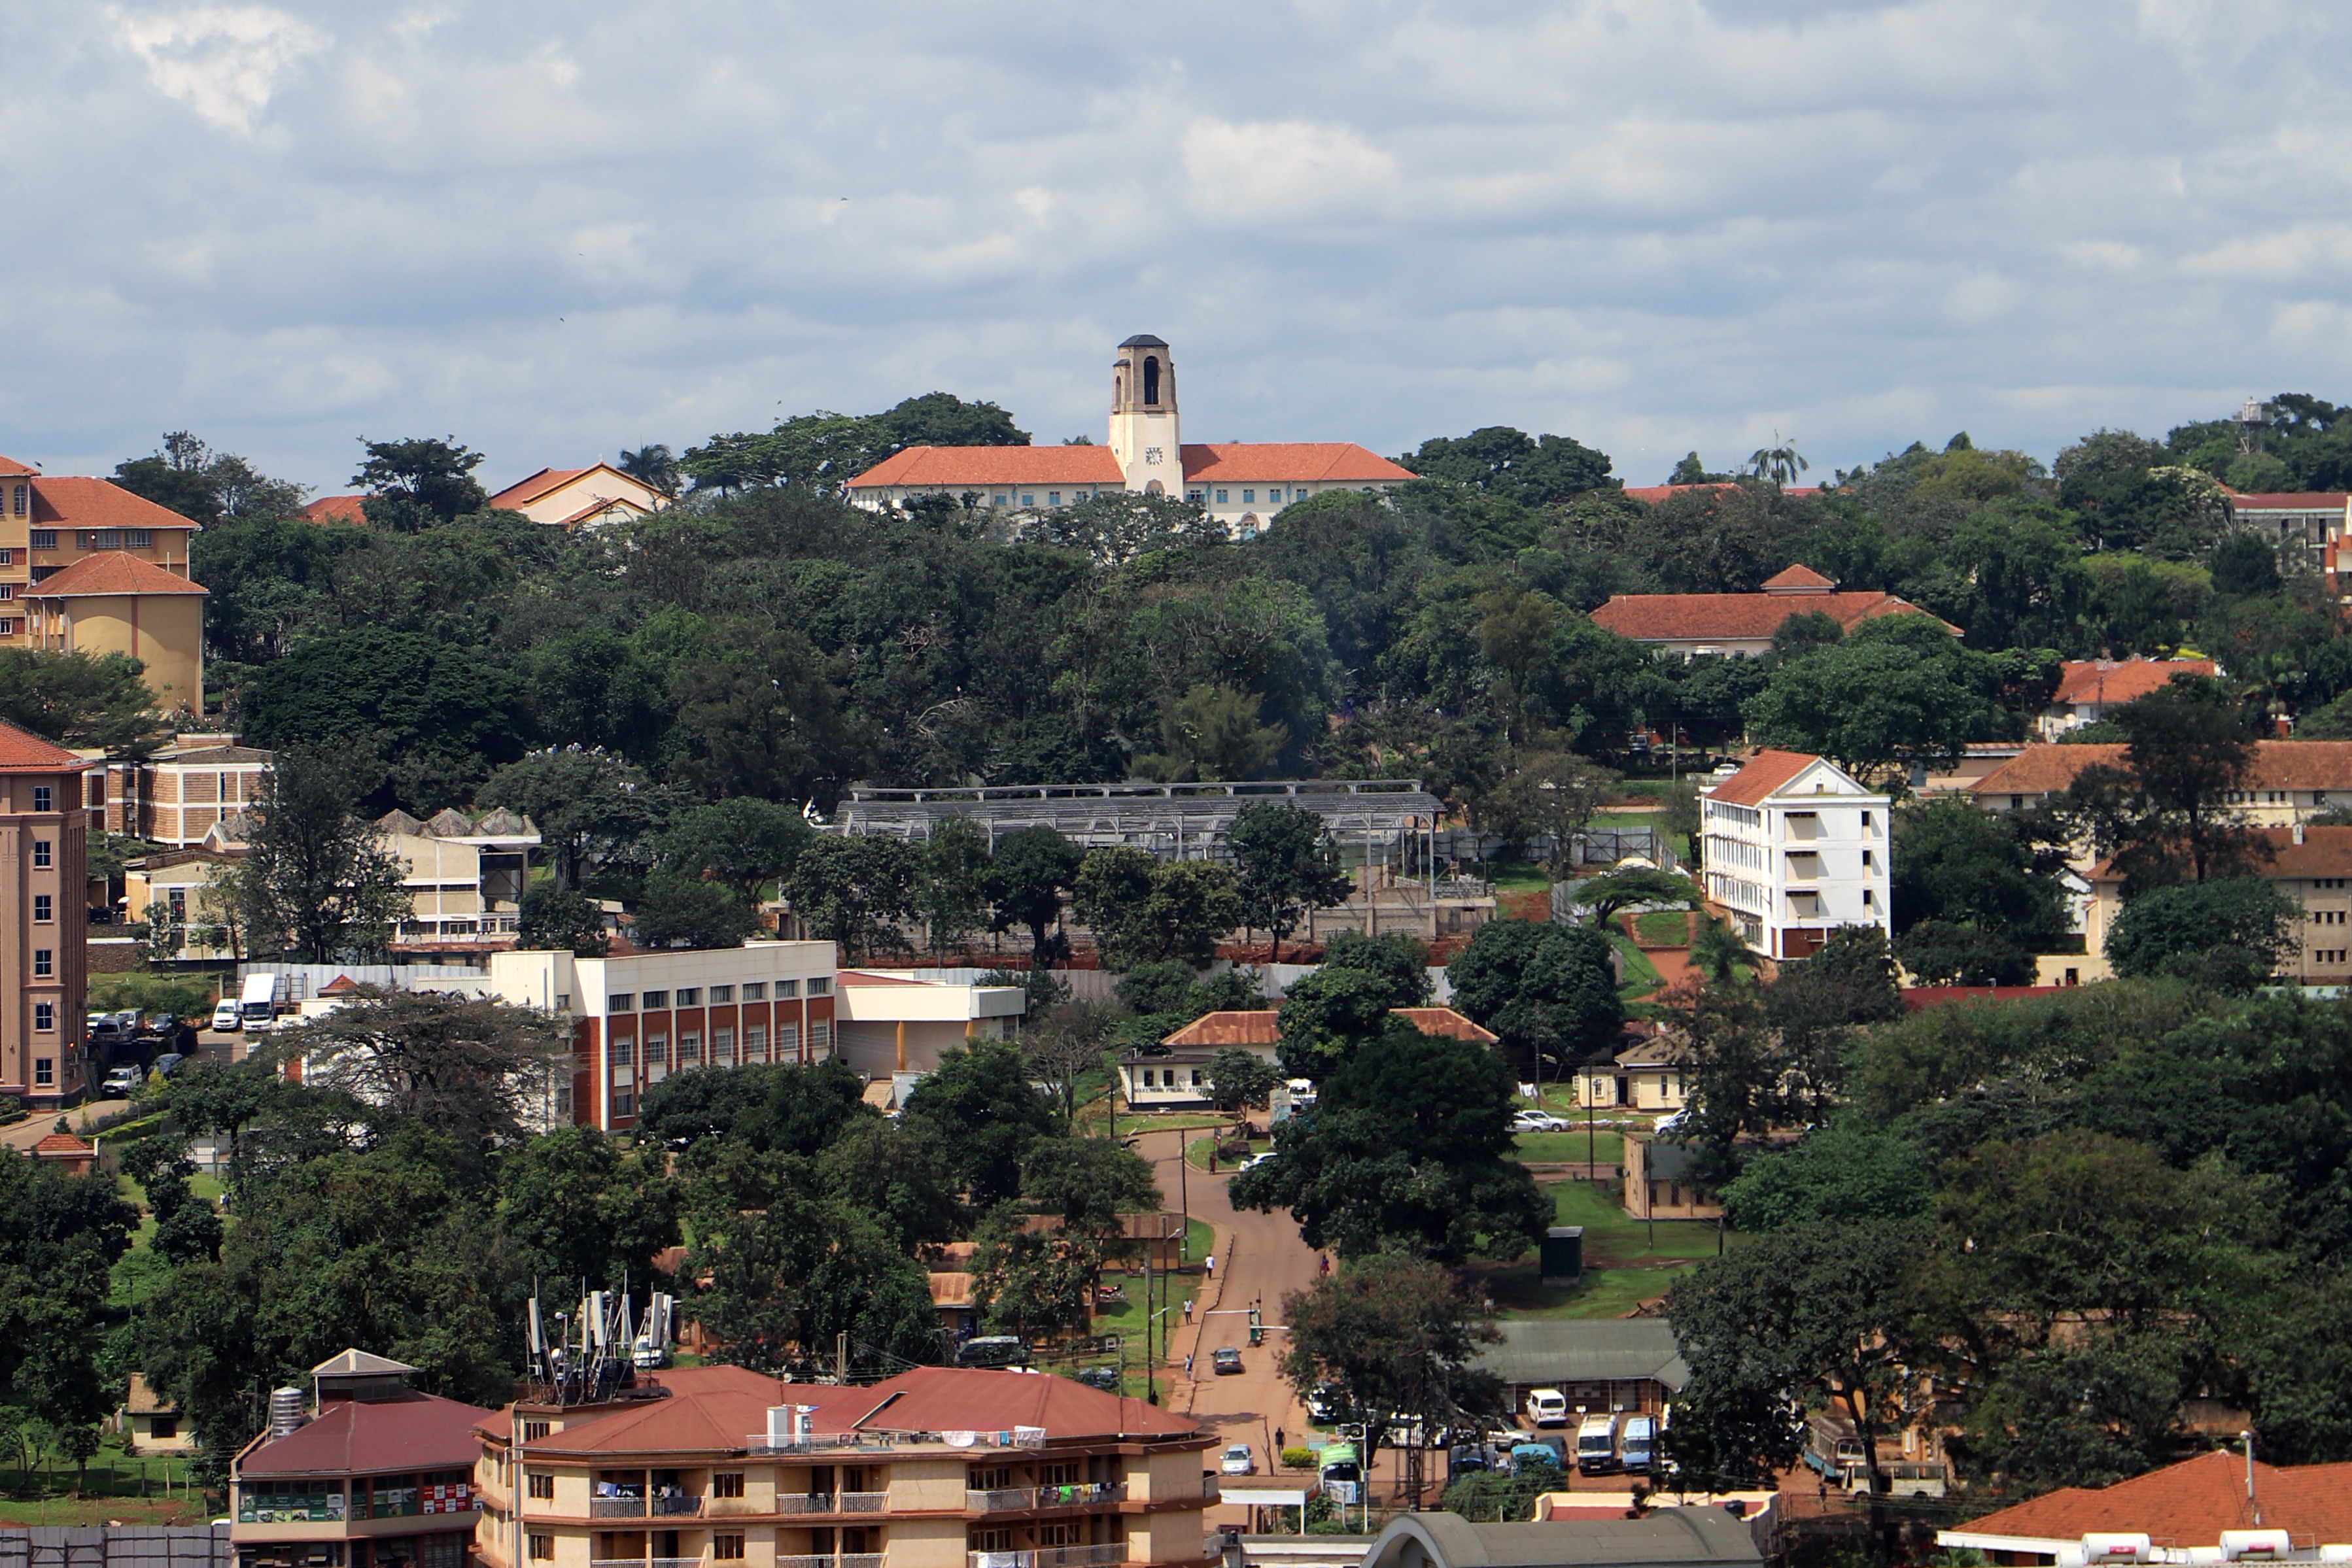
(1151, 454)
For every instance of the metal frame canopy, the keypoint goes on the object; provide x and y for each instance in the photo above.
(1187, 820)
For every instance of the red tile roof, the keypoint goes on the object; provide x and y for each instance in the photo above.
(21, 751)
(111, 572)
(356, 1436)
(2122, 681)
(97, 503)
(2288, 501)
(335, 509)
(2286, 764)
(523, 491)
(952, 1399)
(2324, 851)
(1918, 996)
(1738, 617)
(2187, 1504)
(1288, 462)
(1244, 1027)
(13, 469)
(983, 466)
(1797, 579)
(1653, 494)
(1765, 772)
(861, 977)
(61, 1146)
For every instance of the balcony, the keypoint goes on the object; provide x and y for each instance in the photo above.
(616, 1507)
(864, 1501)
(1007, 1500)
(1049, 1557)
(805, 1502)
(676, 1508)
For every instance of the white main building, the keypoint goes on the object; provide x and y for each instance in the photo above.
(1795, 849)
(1242, 484)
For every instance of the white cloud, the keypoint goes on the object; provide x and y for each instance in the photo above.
(222, 61)
(1286, 170)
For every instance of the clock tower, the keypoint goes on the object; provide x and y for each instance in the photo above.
(1143, 427)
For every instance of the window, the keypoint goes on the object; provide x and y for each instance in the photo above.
(7, 590)
(138, 538)
(44, 1068)
(691, 997)
(1248, 495)
(1052, 497)
(45, 963)
(542, 1488)
(757, 991)
(996, 500)
(542, 1548)
(41, 854)
(563, 1002)
(656, 1000)
(820, 986)
(43, 538)
(690, 1048)
(42, 796)
(755, 1043)
(787, 989)
(727, 1483)
(657, 1050)
(723, 1045)
(727, 1548)
(820, 1035)
(624, 1102)
(533, 1431)
(161, 1426)
(44, 908)
(19, 510)
(1868, 898)
(721, 994)
(788, 1038)
(45, 1016)
(624, 1051)
(620, 1002)
(1222, 496)
(1865, 821)
(1028, 500)
(1149, 1078)
(1867, 860)
(1199, 1077)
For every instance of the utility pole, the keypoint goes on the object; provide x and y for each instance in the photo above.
(841, 1354)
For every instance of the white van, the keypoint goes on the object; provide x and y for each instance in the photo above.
(258, 1006)
(225, 1019)
(1547, 1408)
(1596, 1444)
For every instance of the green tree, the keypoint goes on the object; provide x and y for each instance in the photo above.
(418, 484)
(1028, 873)
(2231, 933)
(780, 1108)
(1032, 1284)
(1879, 699)
(1329, 1015)
(317, 878)
(1212, 732)
(2165, 814)
(1089, 1181)
(1408, 1150)
(954, 887)
(982, 1109)
(96, 701)
(1399, 959)
(744, 842)
(652, 464)
(852, 889)
(551, 919)
(676, 909)
(1548, 990)
(1144, 910)
(1240, 1080)
(1940, 952)
(1607, 894)
(1842, 1173)
(1288, 864)
(1546, 799)
(206, 486)
(1066, 1044)
(585, 1209)
(594, 811)
(1954, 863)
(1499, 460)
(476, 1072)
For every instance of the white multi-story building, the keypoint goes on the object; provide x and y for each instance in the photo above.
(1795, 847)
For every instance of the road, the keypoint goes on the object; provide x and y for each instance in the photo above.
(210, 1047)
(1259, 1258)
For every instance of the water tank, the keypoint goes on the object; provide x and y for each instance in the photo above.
(286, 1412)
(1563, 1255)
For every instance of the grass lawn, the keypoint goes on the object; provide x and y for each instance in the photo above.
(1666, 927)
(1642, 976)
(117, 1486)
(1517, 876)
(1559, 1148)
(1196, 1152)
(1623, 1266)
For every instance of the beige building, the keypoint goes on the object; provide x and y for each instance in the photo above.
(113, 603)
(43, 875)
(937, 1467)
(1650, 1076)
(2290, 781)
(894, 1022)
(177, 796)
(465, 879)
(152, 1424)
(581, 497)
(47, 525)
(2312, 866)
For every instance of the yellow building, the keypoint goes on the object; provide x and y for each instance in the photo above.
(113, 601)
(47, 525)
(937, 1467)
(581, 497)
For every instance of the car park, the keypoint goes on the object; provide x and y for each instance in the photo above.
(1237, 1461)
(1106, 1378)
(226, 1019)
(1225, 1359)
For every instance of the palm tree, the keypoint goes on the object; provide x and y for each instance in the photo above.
(1779, 463)
(652, 464)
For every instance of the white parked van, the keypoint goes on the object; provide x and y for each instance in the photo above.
(225, 1017)
(1596, 1444)
(258, 1006)
(1547, 1408)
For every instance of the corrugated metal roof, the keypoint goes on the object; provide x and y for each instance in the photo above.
(1586, 1350)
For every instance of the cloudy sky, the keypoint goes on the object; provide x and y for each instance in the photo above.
(555, 230)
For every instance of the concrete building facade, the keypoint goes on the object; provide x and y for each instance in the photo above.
(1795, 848)
(43, 875)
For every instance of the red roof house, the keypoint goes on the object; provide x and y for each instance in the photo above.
(1743, 624)
(2182, 1506)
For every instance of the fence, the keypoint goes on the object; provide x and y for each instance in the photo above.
(117, 1546)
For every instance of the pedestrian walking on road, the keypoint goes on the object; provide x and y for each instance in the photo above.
(1277, 1442)
(1188, 1308)
(1209, 1266)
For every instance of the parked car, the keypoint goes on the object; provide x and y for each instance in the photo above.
(993, 1350)
(1540, 1122)
(168, 1063)
(121, 1082)
(1328, 1402)
(225, 1017)
(1106, 1378)
(1237, 1461)
(1255, 1160)
(104, 1028)
(164, 1023)
(1225, 1359)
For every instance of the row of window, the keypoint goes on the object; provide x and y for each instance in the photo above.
(723, 1045)
(1169, 1079)
(1249, 496)
(691, 996)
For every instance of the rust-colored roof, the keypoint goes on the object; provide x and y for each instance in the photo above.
(1797, 579)
(1256, 1025)
(338, 985)
(1738, 617)
(2122, 680)
(2187, 1504)
(2324, 851)
(1288, 462)
(2289, 501)
(984, 465)
(62, 1146)
(12, 470)
(97, 503)
(335, 509)
(2288, 765)
(1653, 494)
(953, 1399)
(523, 491)
(21, 751)
(366, 1437)
(108, 573)
(865, 977)
(951, 1290)
(1765, 771)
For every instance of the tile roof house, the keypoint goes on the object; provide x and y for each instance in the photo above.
(2088, 689)
(1743, 624)
(2291, 780)
(2180, 1509)
(55, 522)
(2311, 866)
(1241, 485)
(1795, 847)
(1180, 1076)
(112, 601)
(580, 497)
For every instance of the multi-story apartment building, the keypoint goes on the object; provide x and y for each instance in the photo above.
(372, 1474)
(938, 1468)
(48, 525)
(2311, 866)
(44, 874)
(2289, 782)
(1795, 848)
